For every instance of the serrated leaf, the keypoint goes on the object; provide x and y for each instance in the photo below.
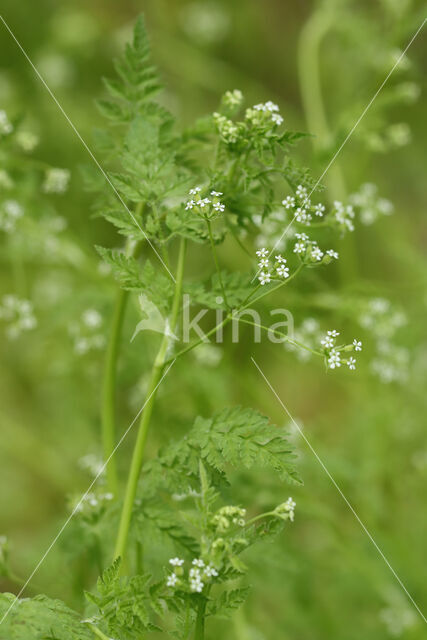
(38, 618)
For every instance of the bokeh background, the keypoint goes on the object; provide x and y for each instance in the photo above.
(322, 62)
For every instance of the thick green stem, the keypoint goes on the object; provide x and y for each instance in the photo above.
(199, 630)
(109, 390)
(139, 449)
(108, 415)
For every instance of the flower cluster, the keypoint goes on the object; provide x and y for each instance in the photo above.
(18, 314)
(228, 516)
(27, 140)
(302, 207)
(92, 503)
(198, 575)
(86, 334)
(370, 206)
(227, 129)
(207, 208)
(233, 99)
(10, 212)
(333, 353)
(286, 510)
(278, 270)
(56, 180)
(266, 113)
(6, 126)
(309, 252)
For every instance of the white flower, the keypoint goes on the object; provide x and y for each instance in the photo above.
(5, 125)
(263, 263)
(301, 191)
(281, 259)
(210, 571)
(316, 253)
(283, 271)
(334, 333)
(264, 277)
(198, 562)
(288, 202)
(262, 253)
(319, 209)
(351, 363)
(216, 194)
(302, 216)
(332, 253)
(190, 204)
(176, 562)
(357, 344)
(328, 342)
(334, 359)
(276, 118)
(302, 236)
(172, 580)
(203, 202)
(218, 206)
(92, 318)
(271, 106)
(56, 180)
(299, 247)
(195, 191)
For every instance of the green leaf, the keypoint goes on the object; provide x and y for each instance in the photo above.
(227, 602)
(40, 618)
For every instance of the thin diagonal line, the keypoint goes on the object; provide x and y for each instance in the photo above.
(54, 98)
(350, 133)
(76, 508)
(337, 487)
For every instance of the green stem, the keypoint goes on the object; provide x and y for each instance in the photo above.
(139, 449)
(199, 631)
(109, 390)
(215, 257)
(108, 415)
(312, 35)
(97, 631)
(282, 335)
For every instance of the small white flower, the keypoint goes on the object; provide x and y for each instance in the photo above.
(299, 247)
(277, 118)
(262, 253)
(328, 342)
(301, 191)
(334, 333)
(288, 202)
(172, 580)
(176, 562)
(203, 202)
(195, 191)
(198, 562)
(190, 204)
(332, 253)
(218, 206)
(319, 209)
(283, 271)
(264, 277)
(263, 263)
(316, 254)
(351, 363)
(210, 571)
(334, 359)
(216, 194)
(271, 106)
(357, 344)
(281, 259)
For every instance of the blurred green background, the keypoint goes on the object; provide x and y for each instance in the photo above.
(324, 578)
